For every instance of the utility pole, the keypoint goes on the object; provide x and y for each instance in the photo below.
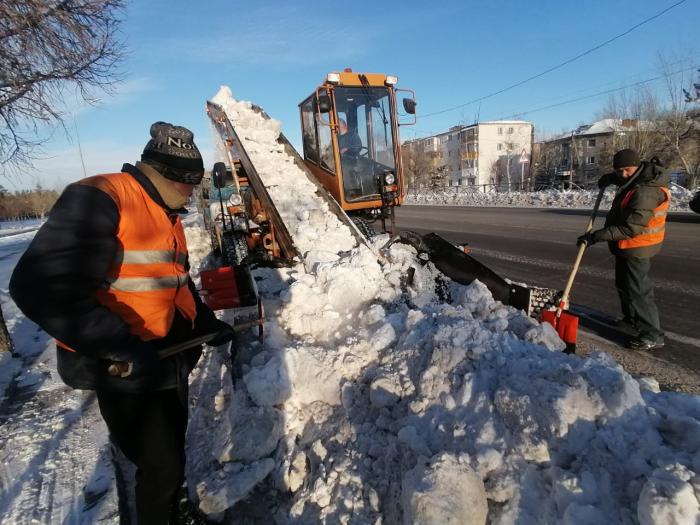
(80, 148)
(532, 155)
(571, 161)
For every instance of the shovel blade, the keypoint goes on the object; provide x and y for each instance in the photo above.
(566, 326)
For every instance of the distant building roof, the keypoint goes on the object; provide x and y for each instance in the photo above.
(504, 122)
(607, 125)
(460, 127)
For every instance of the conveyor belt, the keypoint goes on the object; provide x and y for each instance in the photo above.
(233, 142)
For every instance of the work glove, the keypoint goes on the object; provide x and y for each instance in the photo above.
(607, 179)
(224, 334)
(587, 238)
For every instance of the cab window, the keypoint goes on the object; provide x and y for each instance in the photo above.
(325, 143)
(308, 131)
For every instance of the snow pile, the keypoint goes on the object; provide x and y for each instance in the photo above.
(373, 400)
(304, 213)
(551, 198)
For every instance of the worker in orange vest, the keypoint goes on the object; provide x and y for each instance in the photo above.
(107, 275)
(634, 229)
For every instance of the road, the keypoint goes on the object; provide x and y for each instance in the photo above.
(537, 246)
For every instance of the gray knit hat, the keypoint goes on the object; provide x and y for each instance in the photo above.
(173, 152)
(625, 158)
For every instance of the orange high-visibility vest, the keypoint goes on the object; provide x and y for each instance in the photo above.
(147, 281)
(654, 230)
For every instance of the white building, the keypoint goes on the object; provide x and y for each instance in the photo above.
(467, 155)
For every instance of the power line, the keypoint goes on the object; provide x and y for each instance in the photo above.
(514, 116)
(558, 66)
(607, 91)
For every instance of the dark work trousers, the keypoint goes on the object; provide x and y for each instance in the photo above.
(149, 429)
(636, 293)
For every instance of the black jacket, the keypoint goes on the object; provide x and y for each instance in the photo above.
(54, 284)
(632, 220)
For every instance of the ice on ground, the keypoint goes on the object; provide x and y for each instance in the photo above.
(389, 393)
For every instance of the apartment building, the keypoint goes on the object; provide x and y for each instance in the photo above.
(581, 155)
(480, 154)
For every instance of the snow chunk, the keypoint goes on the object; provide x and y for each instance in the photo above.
(220, 492)
(669, 497)
(443, 491)
(270, 384)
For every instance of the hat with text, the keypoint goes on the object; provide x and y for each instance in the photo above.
(174, 154)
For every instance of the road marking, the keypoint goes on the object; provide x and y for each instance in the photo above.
(691, 341)
(599, 318)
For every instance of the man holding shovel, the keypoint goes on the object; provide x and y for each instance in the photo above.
(107, 277)
(634, 229)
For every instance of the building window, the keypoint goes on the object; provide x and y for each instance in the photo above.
(591, 143)
(590, 160)
(500, 131)
(500, 146)
(510, 130)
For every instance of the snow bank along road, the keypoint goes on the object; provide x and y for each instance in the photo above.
(537, 246)
(372, 401)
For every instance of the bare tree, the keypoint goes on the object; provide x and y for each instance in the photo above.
(418, 164)
(666, 125)
(50, 49)
(678, 129)
(635, 112)
(693, 94)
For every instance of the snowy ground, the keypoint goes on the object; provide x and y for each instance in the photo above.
(581, 199)
(370, 401)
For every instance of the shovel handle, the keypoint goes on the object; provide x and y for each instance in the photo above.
(120, 369)
(579, 255)
(124, 368)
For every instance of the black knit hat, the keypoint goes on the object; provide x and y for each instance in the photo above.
(173, 152)
(625, 158)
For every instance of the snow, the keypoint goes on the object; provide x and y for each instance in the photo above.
(443, 491)
(371, 400)
(551, 198)
(57, 461)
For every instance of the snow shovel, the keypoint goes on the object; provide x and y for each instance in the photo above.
(123, 369)
(566, 323)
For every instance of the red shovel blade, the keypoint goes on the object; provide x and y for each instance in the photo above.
(566, 326)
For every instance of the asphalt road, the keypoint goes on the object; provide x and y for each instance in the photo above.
(538, 246)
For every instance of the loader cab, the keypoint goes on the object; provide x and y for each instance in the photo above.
(350, 133)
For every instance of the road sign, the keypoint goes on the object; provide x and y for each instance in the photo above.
(523, 158)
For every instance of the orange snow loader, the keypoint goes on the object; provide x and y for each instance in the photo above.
(351, 144)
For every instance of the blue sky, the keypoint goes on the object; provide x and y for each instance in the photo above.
(275, 53)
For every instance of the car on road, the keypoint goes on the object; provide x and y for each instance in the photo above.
(695, 203)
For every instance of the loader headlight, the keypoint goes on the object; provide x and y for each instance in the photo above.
(235, 199)
(333, 78)
(389, 178)
(391, 80)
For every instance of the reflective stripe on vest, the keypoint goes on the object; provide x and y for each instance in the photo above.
(150, 257)
(147, 282)
(654, 231)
